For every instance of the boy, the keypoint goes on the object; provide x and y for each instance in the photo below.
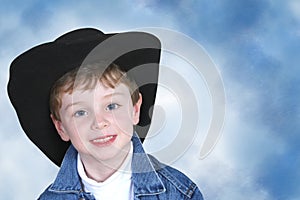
(96, 106)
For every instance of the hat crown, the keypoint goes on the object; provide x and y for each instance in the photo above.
(79, 35)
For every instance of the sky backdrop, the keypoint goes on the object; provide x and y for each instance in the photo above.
(255, 45)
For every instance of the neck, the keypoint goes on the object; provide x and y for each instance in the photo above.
(101, 170)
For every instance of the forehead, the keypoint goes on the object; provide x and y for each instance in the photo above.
(100, 91)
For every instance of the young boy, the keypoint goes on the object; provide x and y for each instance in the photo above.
(96, 106)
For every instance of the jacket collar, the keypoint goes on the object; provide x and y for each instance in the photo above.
(67, 179)
(144, 177)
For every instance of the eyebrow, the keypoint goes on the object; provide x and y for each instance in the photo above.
(105, 97)
(113, 94)
(72, 104)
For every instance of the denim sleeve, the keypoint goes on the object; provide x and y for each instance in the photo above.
(197, 195)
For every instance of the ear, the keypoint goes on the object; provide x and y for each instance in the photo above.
(60, 129)
(136, 110)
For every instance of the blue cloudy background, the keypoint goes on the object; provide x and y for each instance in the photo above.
(254, 43)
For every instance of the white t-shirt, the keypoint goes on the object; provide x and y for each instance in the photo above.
(118, 186)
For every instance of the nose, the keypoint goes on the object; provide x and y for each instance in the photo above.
(100, 122)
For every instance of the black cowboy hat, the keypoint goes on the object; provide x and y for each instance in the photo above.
(33, 73)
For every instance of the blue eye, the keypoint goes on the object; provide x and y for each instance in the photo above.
(80, 113)
(112, 106)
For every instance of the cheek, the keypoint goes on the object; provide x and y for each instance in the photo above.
(74, 128)
(122, 121)
(125, 115)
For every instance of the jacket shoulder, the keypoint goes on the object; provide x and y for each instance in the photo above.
(175, 179)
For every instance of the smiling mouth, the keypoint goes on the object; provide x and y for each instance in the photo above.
(104, 140)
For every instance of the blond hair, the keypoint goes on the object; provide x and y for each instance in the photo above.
(85, 78)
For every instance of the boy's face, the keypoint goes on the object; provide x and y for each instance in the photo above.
(99, 122)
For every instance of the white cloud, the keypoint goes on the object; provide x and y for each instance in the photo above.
(294, 6)
(25, 172)
(229, 172)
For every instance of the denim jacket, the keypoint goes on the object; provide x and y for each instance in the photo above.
(151, 179)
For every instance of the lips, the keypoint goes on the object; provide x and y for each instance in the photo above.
(104, 141)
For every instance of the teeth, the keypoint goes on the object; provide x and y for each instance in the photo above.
(103, 140)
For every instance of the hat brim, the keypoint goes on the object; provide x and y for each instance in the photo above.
(33, 73)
